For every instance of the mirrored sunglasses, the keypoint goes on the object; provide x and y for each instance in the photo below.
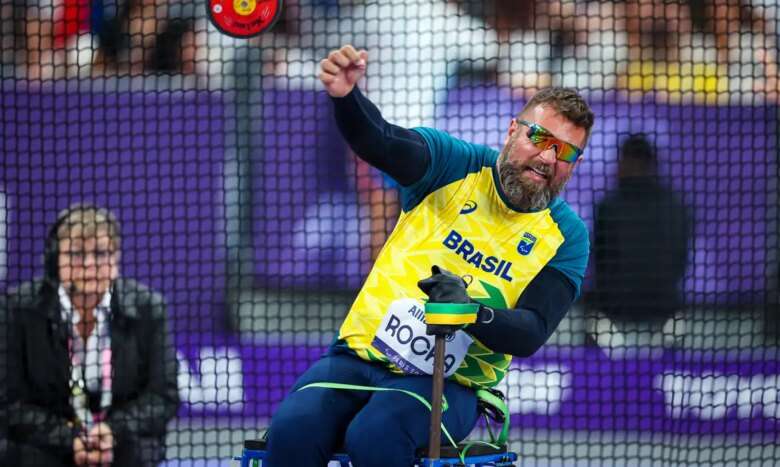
(544, 139)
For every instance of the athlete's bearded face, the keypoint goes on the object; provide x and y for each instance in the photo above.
(532, 177)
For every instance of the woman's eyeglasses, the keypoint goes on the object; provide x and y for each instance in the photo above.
(543, 139)
(79, 257)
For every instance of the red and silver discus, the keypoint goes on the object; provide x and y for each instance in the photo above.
(244, 18)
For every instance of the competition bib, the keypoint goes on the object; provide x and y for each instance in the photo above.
(402, 339)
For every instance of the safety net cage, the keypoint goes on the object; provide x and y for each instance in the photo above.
(198, 185)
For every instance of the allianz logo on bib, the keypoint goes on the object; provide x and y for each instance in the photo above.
(469, 253)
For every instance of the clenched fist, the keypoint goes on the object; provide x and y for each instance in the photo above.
(342, 70)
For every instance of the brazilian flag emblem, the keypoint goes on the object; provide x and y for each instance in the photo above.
(526, 244)
(449, 314)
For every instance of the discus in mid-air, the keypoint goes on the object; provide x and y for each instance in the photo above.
(243, 18)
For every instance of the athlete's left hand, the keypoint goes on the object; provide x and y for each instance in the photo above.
(444, 287)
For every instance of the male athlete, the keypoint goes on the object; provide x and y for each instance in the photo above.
(466, 211)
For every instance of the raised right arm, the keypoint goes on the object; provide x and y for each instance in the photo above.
(399, 152)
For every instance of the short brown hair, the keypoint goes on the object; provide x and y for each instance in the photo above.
(567, 102)
(86, 220)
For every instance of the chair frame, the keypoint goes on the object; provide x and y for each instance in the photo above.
(255, 451)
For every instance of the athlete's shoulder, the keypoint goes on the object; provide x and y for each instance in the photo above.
(569, 222)
(441, 143)
(452, 159)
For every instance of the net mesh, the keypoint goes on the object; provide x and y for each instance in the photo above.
(241, 205)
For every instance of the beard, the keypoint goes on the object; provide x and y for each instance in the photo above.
(523, 193)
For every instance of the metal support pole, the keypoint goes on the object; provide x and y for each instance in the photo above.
(434, 440)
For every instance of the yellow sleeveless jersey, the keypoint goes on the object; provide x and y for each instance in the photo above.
(456, 217)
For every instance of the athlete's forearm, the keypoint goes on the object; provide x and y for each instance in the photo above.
(399, 152)
(523, 330)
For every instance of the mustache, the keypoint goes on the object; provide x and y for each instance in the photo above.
(505, 162)
(513, 170)
(543, 169)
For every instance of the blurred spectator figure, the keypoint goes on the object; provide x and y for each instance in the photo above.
(175, 46)
(97, 38)
(746, 43)
(597, 50)
(127, 37)
(38, 37)
(71, 18)
(91, 364)
(59, 36)
(8, 33)
(656, 28)
(146, 19)
(531, 36)
(641, 239)
(666, 55)
(712, 50)
(146, 36)
(173, 52)
(110, 27)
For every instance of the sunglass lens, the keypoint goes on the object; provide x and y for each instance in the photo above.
(537, 137)
(568, 153)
